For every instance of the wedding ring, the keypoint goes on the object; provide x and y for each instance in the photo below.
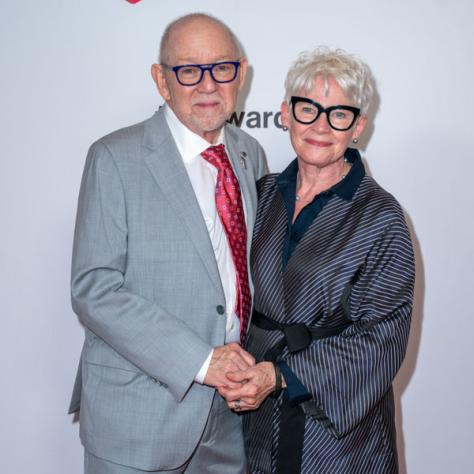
(237, 405)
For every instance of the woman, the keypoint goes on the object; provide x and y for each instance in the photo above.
(333, 269)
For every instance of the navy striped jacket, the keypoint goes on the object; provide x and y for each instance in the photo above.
(349, 425)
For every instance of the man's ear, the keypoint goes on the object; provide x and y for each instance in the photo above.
(242, 72)
(158, 75)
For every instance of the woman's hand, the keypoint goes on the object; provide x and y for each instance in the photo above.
(257, 383)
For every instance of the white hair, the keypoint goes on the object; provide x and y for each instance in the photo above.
(353, 75)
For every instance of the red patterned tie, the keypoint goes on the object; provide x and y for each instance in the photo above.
(231, 212)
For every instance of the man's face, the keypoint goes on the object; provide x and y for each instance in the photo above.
(204, 107)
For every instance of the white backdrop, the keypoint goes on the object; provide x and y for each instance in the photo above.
(72, 71)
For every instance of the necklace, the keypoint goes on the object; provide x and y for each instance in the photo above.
(345, 171)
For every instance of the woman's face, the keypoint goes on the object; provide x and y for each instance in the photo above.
(317, 144)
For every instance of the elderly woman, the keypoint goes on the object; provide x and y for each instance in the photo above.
(333, 269)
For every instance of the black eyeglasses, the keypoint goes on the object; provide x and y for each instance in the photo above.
(192, 74)
(340, 117)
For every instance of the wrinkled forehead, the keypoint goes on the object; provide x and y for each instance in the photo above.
(200, 41)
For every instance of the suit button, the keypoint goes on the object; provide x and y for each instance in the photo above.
(220, 309)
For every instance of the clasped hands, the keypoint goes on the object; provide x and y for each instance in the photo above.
(234, 373)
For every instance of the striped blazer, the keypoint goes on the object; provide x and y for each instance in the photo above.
(349, 423)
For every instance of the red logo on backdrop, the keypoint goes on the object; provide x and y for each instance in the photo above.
(133, 1)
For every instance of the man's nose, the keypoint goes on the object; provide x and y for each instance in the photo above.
(207, 83)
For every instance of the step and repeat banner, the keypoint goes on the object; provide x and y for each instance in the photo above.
(70, 72)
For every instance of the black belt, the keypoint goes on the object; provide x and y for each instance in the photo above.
(292, 419)
(296, 336)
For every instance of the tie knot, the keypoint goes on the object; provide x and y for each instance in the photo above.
(217, 156)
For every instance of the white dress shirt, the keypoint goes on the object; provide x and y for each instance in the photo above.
(203, 177)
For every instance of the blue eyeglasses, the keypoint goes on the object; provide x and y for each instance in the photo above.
(192, 74)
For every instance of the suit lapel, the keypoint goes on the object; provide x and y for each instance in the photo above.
(168, 170)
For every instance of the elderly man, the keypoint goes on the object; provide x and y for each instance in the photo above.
(159, 273)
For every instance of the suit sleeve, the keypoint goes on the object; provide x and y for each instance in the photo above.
(152, 339)
(348, 374)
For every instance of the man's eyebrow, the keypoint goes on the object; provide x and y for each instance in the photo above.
(193, 61)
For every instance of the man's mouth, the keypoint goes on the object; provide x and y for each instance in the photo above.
(207, 104)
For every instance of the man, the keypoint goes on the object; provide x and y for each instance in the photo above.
(159, 274)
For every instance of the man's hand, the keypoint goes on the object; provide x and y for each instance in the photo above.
(228, 358)
(254, 385)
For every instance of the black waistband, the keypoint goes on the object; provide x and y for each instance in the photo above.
(296, 336)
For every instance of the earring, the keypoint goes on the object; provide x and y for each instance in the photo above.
(355, 140)
(285, 129)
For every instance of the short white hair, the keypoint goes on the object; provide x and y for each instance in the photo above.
(353, 75)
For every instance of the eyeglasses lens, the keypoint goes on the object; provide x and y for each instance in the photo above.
(339, 119)
(221, 72)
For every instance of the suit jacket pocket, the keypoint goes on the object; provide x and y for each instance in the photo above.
(119, 403)
(116, 376)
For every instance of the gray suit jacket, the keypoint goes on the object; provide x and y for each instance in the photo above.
(145, 285)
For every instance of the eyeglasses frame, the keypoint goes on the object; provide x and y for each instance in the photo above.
(203, 68)
(327, 110)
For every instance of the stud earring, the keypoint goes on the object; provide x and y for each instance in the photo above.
(355, 140)
(285, 129)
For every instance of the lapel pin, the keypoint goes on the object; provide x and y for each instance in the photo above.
(243, 159)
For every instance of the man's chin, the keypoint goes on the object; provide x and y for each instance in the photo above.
(211, 125)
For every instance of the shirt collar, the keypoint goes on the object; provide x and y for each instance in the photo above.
(189, 143)
(345, 189)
